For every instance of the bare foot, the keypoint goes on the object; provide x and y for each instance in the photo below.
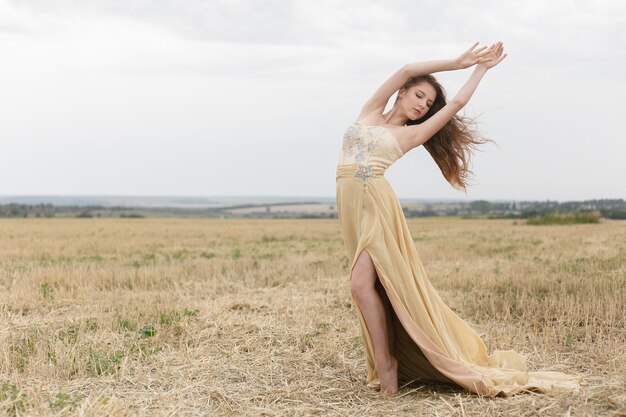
(389, 378)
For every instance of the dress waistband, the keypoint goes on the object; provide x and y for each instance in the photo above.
(361, 171)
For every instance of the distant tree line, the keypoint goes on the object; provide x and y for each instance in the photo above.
(23, 210)
(49, 210)
(607, 208)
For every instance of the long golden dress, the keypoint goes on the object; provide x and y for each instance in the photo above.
(432, 343)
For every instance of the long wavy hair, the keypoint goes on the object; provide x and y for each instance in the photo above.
(453, 145)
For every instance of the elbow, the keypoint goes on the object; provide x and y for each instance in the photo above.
(405, 72)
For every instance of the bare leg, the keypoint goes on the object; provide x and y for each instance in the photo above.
(389, 312)
(363, 287)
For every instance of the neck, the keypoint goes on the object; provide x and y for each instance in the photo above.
(395, 117)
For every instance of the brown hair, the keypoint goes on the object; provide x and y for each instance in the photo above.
(451, 147)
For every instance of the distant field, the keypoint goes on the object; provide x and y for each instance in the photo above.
(288, 208)
(253, 317)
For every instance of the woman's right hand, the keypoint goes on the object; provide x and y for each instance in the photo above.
(495, 55)
(471, 56)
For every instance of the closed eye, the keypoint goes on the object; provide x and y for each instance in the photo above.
(428, 103)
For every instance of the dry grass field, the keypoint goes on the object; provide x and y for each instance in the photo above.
(143, 317)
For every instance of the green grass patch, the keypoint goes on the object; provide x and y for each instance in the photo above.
(100, 363)
(13, 398)
(565, 218)
(147, 331)
(47, 291)
(64, 400)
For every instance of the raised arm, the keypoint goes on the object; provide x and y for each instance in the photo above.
(420, 133)
(378, 101)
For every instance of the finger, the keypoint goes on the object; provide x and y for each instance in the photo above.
(499, 60)
(473, 46)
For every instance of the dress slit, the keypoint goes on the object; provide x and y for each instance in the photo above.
(403, 347)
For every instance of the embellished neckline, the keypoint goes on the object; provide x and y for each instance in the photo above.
(395, 140)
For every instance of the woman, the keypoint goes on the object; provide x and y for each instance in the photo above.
(409, 332)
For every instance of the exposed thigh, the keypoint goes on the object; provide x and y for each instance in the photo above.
(364, 272)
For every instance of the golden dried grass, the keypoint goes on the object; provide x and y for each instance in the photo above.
(254, 317)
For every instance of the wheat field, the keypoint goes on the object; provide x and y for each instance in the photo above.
(144, 317)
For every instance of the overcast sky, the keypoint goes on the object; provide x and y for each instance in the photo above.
(251, 97)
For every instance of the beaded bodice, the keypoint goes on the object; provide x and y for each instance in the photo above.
(371, 147)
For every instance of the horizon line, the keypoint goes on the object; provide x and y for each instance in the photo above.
(276, 196)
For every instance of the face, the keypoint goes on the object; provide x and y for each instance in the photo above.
(417, 100)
